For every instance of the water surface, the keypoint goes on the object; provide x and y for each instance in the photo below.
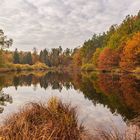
(102, 100)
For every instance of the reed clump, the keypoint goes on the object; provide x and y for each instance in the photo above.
(56, 121)
(37, 121)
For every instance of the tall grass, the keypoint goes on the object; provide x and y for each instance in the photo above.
(36, 121)
(116, 135)
(55, 121)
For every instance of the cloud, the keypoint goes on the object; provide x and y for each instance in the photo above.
(50, 23)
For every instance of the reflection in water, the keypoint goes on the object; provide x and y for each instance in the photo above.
(118, 93)
(4, 98)
(55, 80)
(121, 93)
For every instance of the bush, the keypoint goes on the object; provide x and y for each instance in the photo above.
(88, 67)
(39, 66)
(21, 67)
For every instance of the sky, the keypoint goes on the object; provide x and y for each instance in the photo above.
(67, 23)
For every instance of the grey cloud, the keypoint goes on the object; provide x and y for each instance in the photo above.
(50, 23)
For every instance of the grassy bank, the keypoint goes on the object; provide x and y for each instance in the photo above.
(41, 66)
(90, 67)
(23, 67)
(26, 67)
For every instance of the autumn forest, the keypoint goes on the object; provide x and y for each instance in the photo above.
(116, 50)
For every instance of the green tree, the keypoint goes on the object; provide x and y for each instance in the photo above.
(35, 57)
(4, 43)
(29, 58)
(16, 58)
(67, 52)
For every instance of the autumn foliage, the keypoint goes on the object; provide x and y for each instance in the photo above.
(131, 53)
(108, 59)
(77, 58)
(118, 49)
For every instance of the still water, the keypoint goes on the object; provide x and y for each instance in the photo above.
(102, 100)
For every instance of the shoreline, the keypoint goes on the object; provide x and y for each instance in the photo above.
(30, 68)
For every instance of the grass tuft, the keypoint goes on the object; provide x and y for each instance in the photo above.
(55, 121)
(36, 121)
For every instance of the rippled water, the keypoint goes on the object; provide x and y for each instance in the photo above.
(102, 100)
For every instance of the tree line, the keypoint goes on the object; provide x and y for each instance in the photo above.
(54, 57)
(117, 48)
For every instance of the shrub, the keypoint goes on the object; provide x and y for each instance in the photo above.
(39, 66)
(88, 67)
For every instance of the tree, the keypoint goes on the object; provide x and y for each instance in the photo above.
(16, 58)
(4, 43)
(60, 49)
(35, 57)
(108, 59)
(54, 56)
(131, 53)
(67, 52)
(96, 56)
(44, 57)
(29, 58)
(77, 58)
(41, 56)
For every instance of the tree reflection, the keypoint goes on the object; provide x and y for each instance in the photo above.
(130, 87)
(54, 80)
(120, 93)
(4, 98)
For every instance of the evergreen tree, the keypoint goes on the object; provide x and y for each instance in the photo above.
(29, 58)
(41, 56)
(44, 57)
(35, 57)
(16, 58)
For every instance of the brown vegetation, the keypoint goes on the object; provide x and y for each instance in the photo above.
(132, 133)
(23, 67)
(37, 121)
(56, 121)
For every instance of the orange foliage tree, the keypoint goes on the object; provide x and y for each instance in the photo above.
(77, 58)
(131, 53)
(108, 59)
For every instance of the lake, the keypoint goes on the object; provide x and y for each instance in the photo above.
(101, 100)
